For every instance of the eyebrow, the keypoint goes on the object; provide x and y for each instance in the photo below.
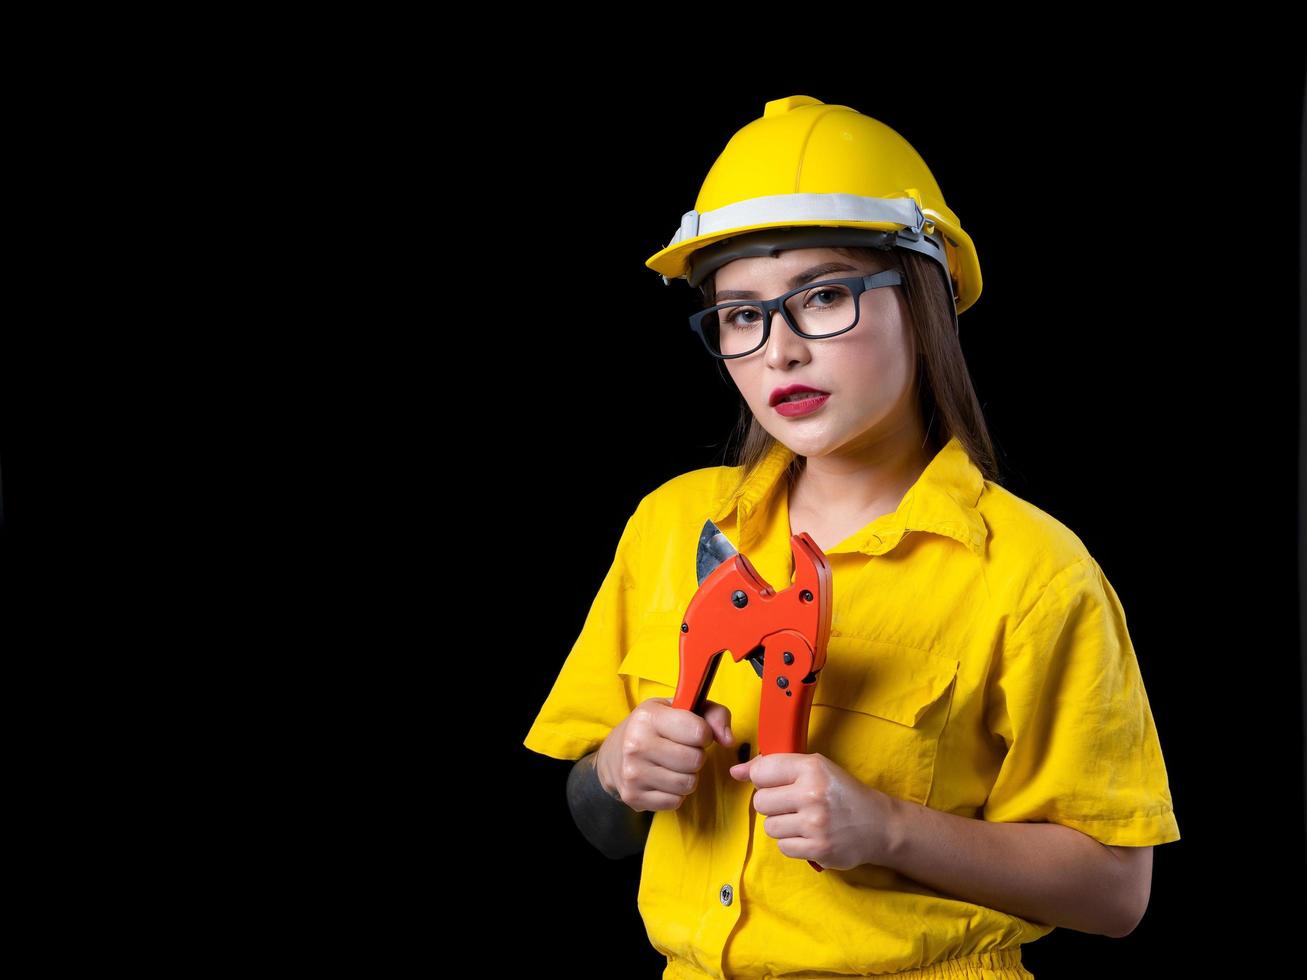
(799, 280)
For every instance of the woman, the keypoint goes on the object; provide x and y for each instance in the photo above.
(982, 762)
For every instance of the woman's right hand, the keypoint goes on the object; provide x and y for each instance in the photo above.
(651, 760)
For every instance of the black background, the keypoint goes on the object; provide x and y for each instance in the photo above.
(325, 452)
(1135, 350)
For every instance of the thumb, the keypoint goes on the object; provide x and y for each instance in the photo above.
(718, 717)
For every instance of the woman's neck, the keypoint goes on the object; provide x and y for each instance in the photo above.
(871, 481)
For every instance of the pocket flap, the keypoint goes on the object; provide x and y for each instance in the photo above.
(655, 652)
(885, 679)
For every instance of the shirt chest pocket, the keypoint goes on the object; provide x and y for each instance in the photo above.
(879, 710)
(652, 663)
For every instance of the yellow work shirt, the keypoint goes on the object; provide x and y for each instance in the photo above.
(978, 663)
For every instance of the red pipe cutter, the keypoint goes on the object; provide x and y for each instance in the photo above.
(782, 634)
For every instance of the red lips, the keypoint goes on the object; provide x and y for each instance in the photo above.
(780, 393)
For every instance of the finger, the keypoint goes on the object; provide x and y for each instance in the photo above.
(777, 799)
(718, 717)
(684, 726)
(776, 769)
(744, 771)
(655, 800)
(784, 825)
(799, 848)
(675, 756)
(668, 781)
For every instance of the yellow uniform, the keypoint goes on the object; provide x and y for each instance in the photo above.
(978, 663)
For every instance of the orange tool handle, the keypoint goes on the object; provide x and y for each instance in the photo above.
(787, 689)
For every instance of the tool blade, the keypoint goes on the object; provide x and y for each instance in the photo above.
(714, 548)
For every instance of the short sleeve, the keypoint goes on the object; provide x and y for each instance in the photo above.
(589, 699)
(1069, 703)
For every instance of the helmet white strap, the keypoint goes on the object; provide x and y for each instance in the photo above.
(800, 207)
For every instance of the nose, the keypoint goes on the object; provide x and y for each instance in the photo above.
(783, 344)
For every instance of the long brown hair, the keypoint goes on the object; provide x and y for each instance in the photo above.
(945, 394)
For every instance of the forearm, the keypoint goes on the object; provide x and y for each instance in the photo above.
(1045, 872)
(607, 823)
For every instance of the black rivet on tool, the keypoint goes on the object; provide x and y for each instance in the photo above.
(805, 595)
(739, 598)
(789, 657)
(685, 627)
(782, 682)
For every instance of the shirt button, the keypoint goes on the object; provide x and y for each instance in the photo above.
(727, 893)
(743, 753)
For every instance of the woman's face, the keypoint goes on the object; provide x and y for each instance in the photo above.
(868, 371)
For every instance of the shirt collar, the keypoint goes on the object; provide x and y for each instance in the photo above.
(941, 501)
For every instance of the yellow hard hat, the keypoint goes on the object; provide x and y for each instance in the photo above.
(808, 174)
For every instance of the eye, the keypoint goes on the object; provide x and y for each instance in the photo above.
(731, 317)
(827, 297)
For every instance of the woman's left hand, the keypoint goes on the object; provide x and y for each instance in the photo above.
(817, 811)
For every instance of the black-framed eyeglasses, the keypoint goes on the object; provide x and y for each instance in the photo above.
(814, 311)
